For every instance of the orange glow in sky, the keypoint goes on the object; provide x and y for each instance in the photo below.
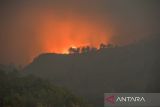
(54, 31)
(59, 34)
(29, 30)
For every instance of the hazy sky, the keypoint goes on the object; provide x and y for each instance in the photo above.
(31, 27)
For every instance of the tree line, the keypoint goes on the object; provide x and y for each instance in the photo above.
(87, 49)
(30, 91)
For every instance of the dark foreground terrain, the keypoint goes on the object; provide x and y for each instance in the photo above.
(30, 91)
(132, 68)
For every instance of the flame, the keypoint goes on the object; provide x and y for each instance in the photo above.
(37, 30)
(59, 34)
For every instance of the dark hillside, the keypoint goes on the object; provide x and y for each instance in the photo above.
(132, 68)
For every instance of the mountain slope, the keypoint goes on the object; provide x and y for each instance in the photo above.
(132, 68)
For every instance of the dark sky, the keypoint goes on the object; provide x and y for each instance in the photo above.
(31, 27)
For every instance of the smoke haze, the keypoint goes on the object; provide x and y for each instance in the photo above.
(32, 27)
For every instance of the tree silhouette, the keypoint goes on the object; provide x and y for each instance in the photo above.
(74, 50)
(70, 50)
(85, 49)
(102, 46)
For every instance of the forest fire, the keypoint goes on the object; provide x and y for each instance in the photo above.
(57, 35)
(41, 30)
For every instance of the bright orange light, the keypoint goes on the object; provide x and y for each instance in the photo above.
(47, 30)
(59, 34)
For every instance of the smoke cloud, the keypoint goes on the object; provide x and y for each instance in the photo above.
(32, 27)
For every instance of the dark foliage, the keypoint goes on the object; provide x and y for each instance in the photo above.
(88, 49)
(30, 91)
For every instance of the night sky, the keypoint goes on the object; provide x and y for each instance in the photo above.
(31, 27)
